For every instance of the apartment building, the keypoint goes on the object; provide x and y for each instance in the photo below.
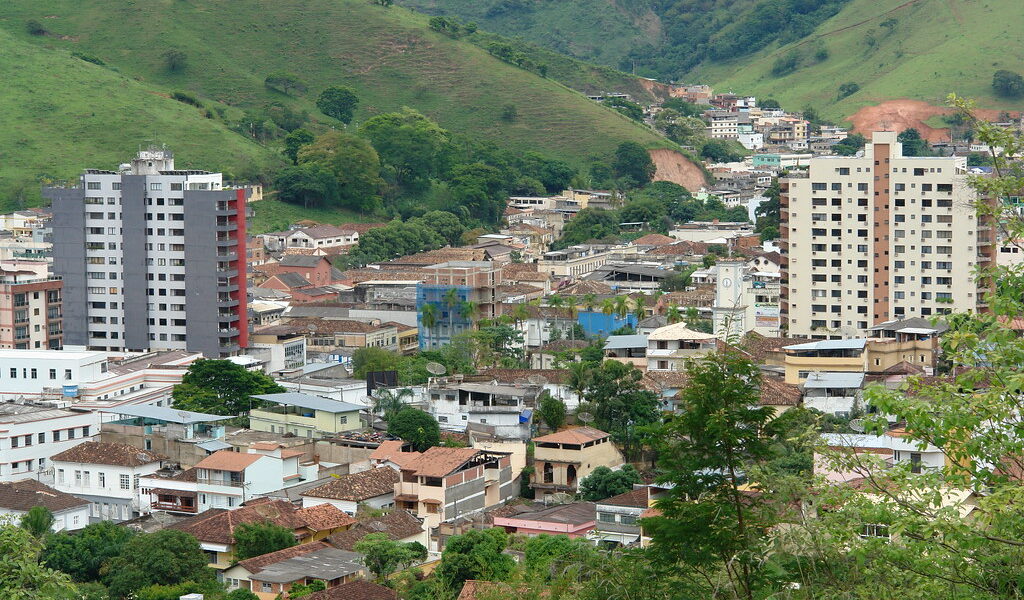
(31, 434)
(508, 409)
(876, 238)
(746, 299)
(456, 290)
(30, 310)
(152, 257)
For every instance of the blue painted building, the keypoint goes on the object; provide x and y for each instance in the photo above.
(449, 320)
(598, 324)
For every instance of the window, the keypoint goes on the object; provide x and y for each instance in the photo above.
(874, 530)
(156, 187)
(627, 519)
(126, 482)
(60, 476)
(56, 435)
(606, 517)
(42, 438)
(93, 185)
(101, 478)
(266, 587)
(78, 479)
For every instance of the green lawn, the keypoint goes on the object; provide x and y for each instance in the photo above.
(935, 47)
(388, 54)
(274, 215)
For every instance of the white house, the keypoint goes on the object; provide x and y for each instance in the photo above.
(30, 434)
(226, 479)
(506, 408)
(670, 346)
(107, 476)
(18, 497)
(318, 236)
(834, 393)
(374, 488)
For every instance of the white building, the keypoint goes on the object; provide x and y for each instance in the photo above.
(669, 347)
(19, 497)
(876, 238)
(506, 408)
(746, 299)
(226, 479)
(834, 393)
(318, 236)
(107, 476)
(31, 434)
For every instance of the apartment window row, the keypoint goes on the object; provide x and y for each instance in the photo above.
(32, 373)
(161, 231)
(175, 187)
(165, 247)
(98, 185)
(163, 217)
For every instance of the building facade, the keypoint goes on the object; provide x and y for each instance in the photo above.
(152, 257)
(31, 434)
(30, 311)
(878, 237)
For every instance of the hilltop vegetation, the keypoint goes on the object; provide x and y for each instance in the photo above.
(224, 59)
(835, 55)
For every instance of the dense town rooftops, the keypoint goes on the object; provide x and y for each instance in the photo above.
(21, 496)
(105, 453)
(357, 487)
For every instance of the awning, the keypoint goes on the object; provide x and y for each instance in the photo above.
(214, 445)
(169, 492)
(430, 501)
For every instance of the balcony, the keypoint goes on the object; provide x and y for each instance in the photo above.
(227, 257)
(227, 318)
(227, 272)
(227, 332)
(223, 286)
(220, 482)
(230, 302)
(493, 409)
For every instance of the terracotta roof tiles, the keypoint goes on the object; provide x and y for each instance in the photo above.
(324, 517)
(397, 525)
(439, 461)
(636, 498)
(576, 435)
(360, 589)
(217, 525)
(105, 453)
(21, 496)
(357, 487)
(227, 460)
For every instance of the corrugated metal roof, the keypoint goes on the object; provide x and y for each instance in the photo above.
(310, 401)
(618, 342)
(853, 344)
(820, 380)
(165, 413)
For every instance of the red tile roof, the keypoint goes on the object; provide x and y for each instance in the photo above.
(636, 498)
(228, 460)
(105, 453)
(324, 517)
(217, 525)
(357, 487)
(576, 435)
(654, 239)
(775, 392)
(21, 496)
(360, 589)
(439, 461)
(397, 525)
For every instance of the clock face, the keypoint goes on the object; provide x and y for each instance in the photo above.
(726, 282)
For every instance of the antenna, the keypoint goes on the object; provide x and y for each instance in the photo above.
(436, 368)
(585, 417)
(857, 425)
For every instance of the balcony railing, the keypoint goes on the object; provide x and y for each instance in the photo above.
(221, 482)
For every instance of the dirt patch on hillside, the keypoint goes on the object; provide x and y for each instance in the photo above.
(673, 166)
(897, 115)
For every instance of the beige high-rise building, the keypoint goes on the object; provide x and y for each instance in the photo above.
(878, 237)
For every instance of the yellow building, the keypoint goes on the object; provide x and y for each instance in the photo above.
(840, 356)
(562, 459)
(304, 415)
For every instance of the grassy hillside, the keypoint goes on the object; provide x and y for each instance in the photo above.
(388, 55)
(61, 114)
(927, 49)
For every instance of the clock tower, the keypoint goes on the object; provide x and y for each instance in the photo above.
(729, 313)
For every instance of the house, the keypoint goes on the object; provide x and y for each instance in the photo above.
(573, 520)
(107, 476)
(227, 479)
(447, 483)
(563, 458)
(271, 575)
(19, 497)
(669, 347)
(545, 323)
(304, 415)
(834, 393)
(318, 236)
(374, 488)
(844, 356)
(617, 518)
(506, 408)
(315, 269)
(892, 448)
(629, 349)
(398, 525)
(215, 528)
(551, 353)
(183, 436)
(34, 433)
(358, 589)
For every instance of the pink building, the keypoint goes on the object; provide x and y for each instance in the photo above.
(573, 520)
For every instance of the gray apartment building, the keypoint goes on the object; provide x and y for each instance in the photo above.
(152, 258)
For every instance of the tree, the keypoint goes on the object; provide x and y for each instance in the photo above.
(416, 427)
(604, 483)
(1008, 84)
(354, 164)
(445, 224)
(383, 556)
(309, 185)
(167, 557)
(850, 145)
(395, 239)
(34, 27)
(38, 521)
(221, 387)
(285, 83)
(479, 190)
(551, 411)
(301, 590)
(848, 89)
(544, 553)
(81, 554)
(428, 318)
(633, 161)
(632, 110)
(411, 144)
(767, 212)
(338, 102)
(618, 402)
(294, 141)
(722, 151)
(913, 143)
(509, 113)
(174, 60)
(684, 108)
(22, 575)
(769, 104)
(257, 539)
(371, 358)
(241, 594)
(476, 554)
(704, 451)
(588, 224)
(384, 3)
(389, 402)
(673, 314)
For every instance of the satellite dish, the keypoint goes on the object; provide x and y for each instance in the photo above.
(585, 417)
(857, 425)
(436, 368)
(537, 379)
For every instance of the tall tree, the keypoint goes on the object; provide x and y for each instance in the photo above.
(221, 387)
(411, 144)
(551, 411)
(389, 402)
(257, 539)
(338, 102)
(383, 556)
(38, 521)
(354, 164)
(294, 141)
(477, 554)
(428, 318)
(604, 483)
(618, 402)
(632, 161)
(310, 185)
(285, 82)
(167, 557)
(707, 520)
(81, 554)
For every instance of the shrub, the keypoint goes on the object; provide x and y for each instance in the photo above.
(34, 27)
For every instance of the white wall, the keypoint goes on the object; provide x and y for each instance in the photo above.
(24, 454)
(350, 507)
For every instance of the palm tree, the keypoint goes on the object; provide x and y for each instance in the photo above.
(469, 310)
(674, 315)
(608, 306)
(555, 301)
(639, 309)
(428, 318)
(387, 402)
(451, 301)
(589, 302)
(520, 313)
(656, 296)
(621, 306)
(38, 521)
(692, 315)
(579, 377)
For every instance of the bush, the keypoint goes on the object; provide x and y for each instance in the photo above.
(784, 65)
(186, 98)
(1008, 84)
(175, 60)
(847, 89)
(87, 58)
(34, 27)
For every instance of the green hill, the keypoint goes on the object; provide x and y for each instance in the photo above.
(62, 114)
(798, 51)
(920, 49)
(388, 55)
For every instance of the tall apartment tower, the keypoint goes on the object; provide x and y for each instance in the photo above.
(878, 237)
(152, 258)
